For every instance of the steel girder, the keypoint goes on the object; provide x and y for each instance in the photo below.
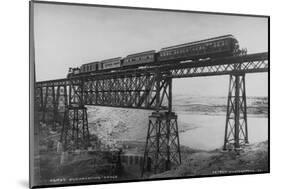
(248, 64)
(148, 91)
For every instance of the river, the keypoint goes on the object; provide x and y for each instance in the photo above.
(207, 131)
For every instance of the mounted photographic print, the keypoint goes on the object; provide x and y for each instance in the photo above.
(122, 94)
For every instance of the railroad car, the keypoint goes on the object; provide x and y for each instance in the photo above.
(225, 45)
(140, 58)
(213, 47)
(92, 66)
(111, 63)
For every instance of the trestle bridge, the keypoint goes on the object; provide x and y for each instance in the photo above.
(147, 88)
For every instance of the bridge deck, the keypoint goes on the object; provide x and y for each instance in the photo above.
(252, 63)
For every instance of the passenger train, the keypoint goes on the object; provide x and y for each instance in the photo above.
(220, 46)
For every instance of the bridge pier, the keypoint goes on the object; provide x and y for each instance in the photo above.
(75, 132)
(236, 127)
(162, 142)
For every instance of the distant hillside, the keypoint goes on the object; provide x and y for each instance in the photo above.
(257, 106)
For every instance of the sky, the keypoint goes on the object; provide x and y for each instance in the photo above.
(68, 36)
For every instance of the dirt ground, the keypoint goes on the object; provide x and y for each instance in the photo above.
(253, 158)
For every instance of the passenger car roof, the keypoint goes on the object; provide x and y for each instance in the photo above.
(197, 42)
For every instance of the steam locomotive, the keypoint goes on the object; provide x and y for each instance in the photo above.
(220, 46)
